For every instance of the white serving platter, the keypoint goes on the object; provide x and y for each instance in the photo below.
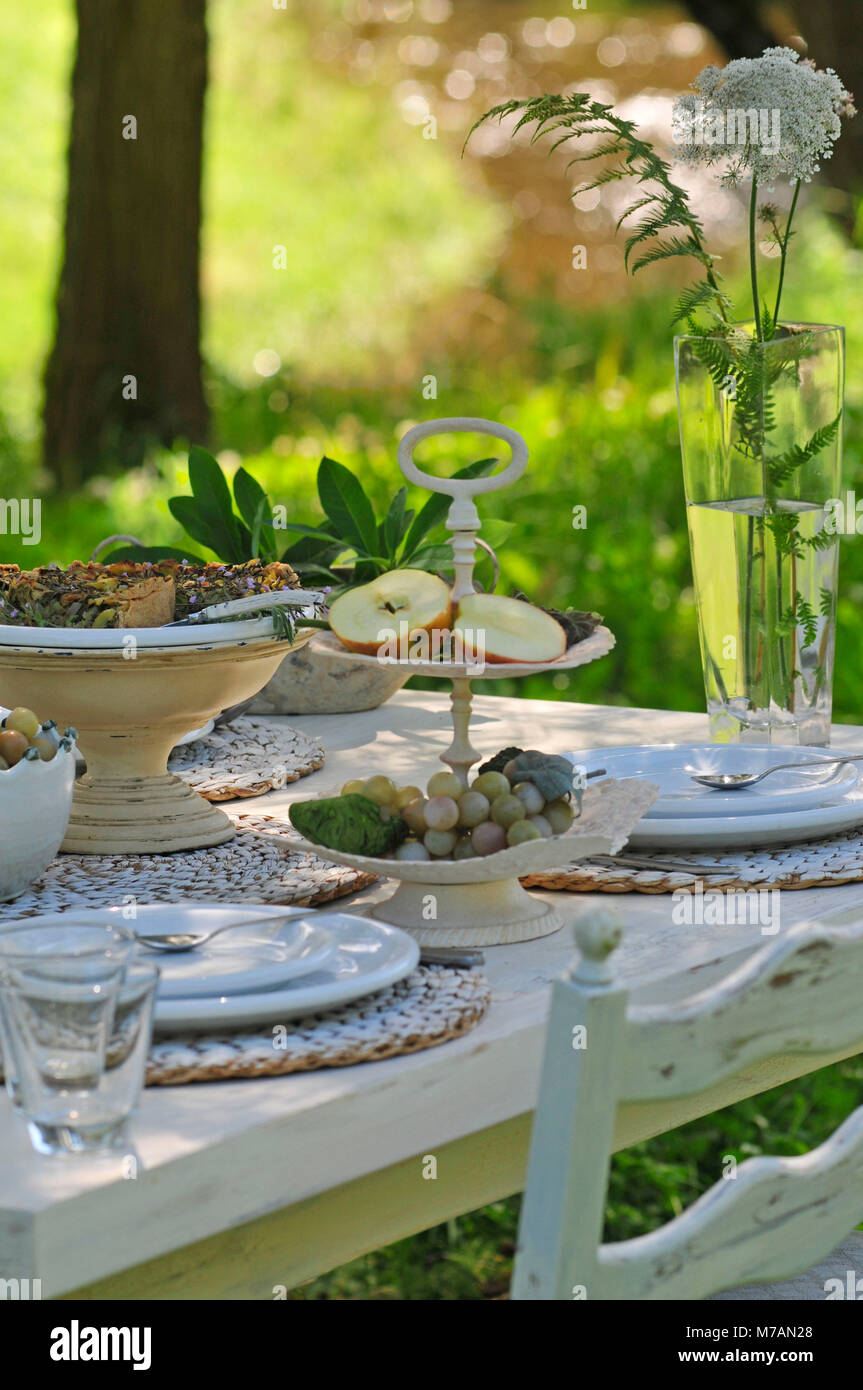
(671, 767)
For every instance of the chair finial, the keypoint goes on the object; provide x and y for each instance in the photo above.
(597, 933)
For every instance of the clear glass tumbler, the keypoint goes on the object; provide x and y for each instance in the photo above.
(79, 1048)
(66, 950)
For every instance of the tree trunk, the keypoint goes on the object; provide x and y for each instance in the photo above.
(834, 35)
(125, 367)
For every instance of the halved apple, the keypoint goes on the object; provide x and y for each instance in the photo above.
(365, 619)
(498, 629)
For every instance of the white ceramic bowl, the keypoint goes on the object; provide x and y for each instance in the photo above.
(35, 804)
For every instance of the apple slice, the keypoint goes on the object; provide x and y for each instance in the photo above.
(498, 629)
(395, 605)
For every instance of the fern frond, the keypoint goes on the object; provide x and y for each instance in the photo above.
(779, 469)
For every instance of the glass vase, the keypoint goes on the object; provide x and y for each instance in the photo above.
(761, 439)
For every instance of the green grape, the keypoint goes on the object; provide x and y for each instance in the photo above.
(488, 838)
(521, 831)
(380, 789)
(531, 796)
(405, 795)
(411, 850)
(441, 813)
(505, 810)
(414, 814)
(464, 849)
(354, 787)
(439, 842)
(542, 825)
(559, 815)
(491, 785)
(445, 784)
(473, 809)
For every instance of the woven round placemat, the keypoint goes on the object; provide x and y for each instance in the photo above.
(432, 1006)
(812, 864)
(246, 757)
(253, 867)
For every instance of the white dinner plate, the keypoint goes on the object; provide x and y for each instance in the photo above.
(242, 960)
(668, 833)
(239, 961)
(368, 956)
(671, 767)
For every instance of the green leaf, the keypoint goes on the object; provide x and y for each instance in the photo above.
(194, 523)
(312, 531)
(695, 297)
(212, 499)
(394, 525)
(429, 557)
(435, 509)
(496, 532)
(779, 469)
(313, 546)
(254, 507)
(346, 505)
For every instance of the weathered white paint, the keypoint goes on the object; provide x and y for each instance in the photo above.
(772, 1217)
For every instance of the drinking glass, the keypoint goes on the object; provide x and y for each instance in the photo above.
(79, 1048)
(67, 950)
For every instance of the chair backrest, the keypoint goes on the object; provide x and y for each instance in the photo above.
(802, 993)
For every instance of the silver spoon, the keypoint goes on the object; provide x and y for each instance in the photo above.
(736, 781)
(189, 940)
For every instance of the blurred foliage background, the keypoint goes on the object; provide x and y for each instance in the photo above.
(405, 262)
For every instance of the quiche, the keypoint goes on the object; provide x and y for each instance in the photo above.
(91, 595)
(128, 594)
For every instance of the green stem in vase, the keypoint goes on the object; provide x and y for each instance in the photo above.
(783, 251)
(753, 266)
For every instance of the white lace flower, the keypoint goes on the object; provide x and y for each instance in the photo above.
(771, 118)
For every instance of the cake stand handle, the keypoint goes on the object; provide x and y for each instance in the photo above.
(461, 754)
(463, 517)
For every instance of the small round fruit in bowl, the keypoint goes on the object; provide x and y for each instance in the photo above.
(518, 796)
(37, 778)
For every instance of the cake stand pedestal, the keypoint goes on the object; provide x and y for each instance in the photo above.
(129, 713)
(471, 902)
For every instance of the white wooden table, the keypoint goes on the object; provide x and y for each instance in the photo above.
(251, 1185)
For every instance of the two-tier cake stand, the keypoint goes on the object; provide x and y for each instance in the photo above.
(471, 901)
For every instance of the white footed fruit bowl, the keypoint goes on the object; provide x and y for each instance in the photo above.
(35, 804)
(480, 902)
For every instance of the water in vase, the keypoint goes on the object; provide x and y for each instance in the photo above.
(765, 582)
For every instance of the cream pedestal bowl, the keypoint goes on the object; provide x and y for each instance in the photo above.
(473, 902)
(129, 711)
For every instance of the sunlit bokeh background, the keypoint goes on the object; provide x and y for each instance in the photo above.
(406, 259)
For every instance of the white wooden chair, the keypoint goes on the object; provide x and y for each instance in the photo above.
(802, 993)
